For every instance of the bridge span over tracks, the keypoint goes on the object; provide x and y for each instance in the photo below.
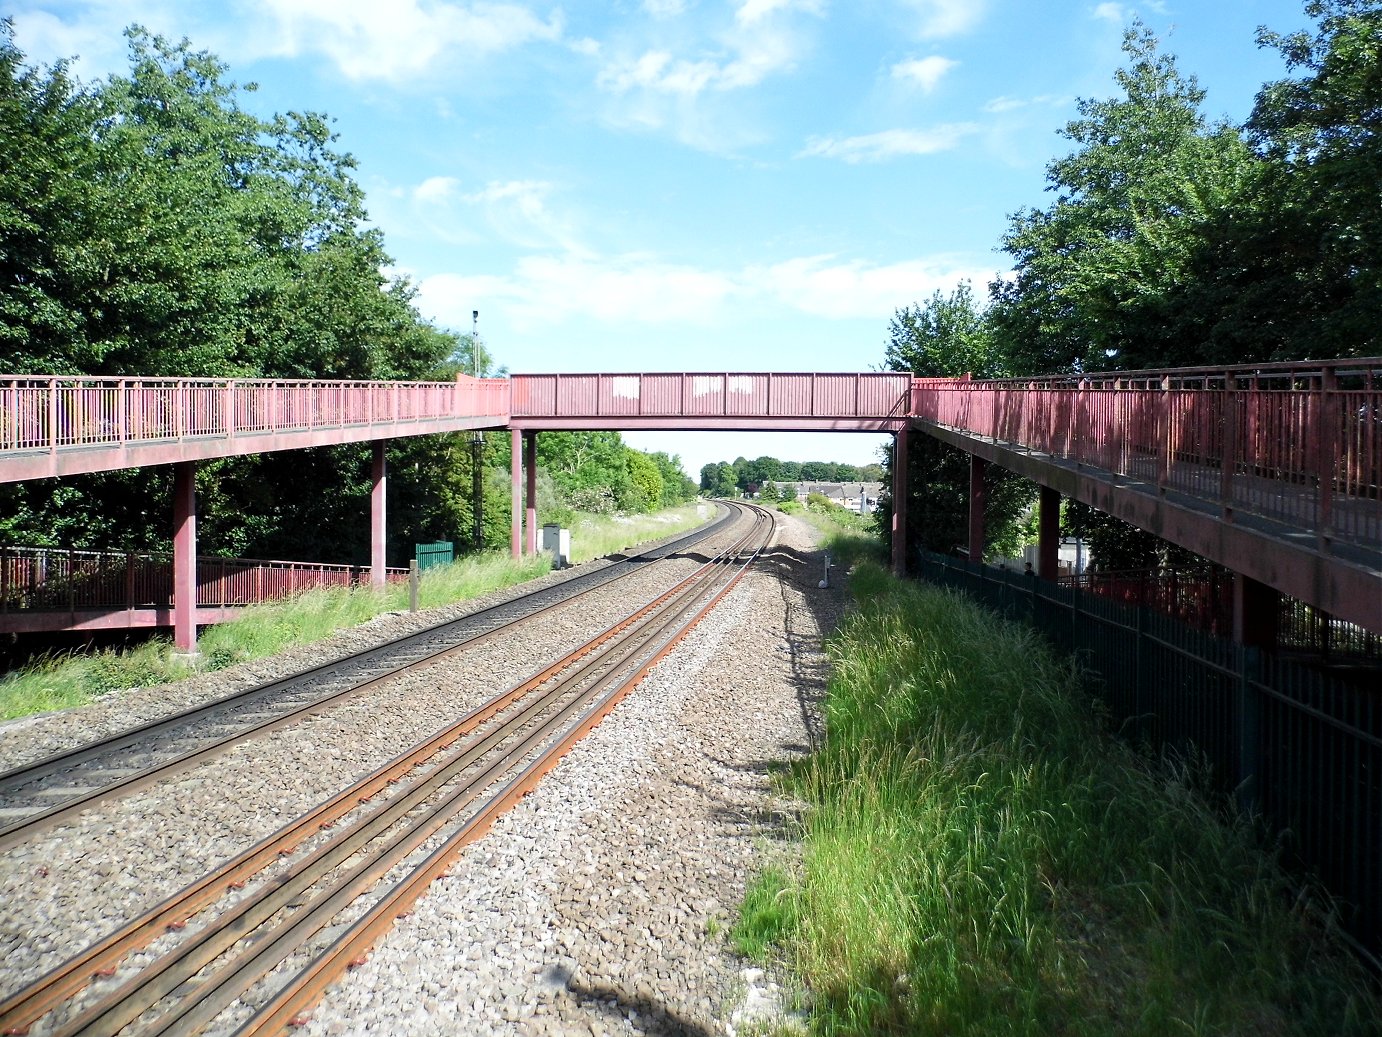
(1273, 471)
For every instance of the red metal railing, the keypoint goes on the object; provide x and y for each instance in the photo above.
(1300, 442)
(38, 578)
(716, 394)
(38, 413)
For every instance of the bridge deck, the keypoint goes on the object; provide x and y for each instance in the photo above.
(1272, 470)
(715, 400)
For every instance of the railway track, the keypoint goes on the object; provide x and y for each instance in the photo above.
(47, 791)
(254, 944)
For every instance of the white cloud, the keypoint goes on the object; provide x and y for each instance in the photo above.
(753, 11)
(925, 72)
(761, 42)
(824, 286)
(545, 291)
(1000, 105)
(436, 189)
(937, 19)
(664, 8)
(1112, 12)
(369, 40)
(875, 147)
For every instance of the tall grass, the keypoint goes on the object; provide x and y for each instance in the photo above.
(847, 535)
(979, 858)
(594, 536)
(62, 682)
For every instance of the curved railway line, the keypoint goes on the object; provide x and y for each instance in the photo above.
(46, 791)
(252, 945)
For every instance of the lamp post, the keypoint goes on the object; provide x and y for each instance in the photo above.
(477, 443)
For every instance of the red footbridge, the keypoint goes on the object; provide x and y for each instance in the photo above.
(1272, 471)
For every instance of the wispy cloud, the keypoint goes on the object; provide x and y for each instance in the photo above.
(544, 291)
(762, 39)
(876, 147)
(1000, 105)
(924, 72)
(368, 40)
(664, 8)
(938, 19)
(512, 213)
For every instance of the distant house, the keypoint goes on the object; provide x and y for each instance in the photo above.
(856, 496)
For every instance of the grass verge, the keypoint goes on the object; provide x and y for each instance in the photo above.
(594, 536)
(979, 857)
(847, 535)
(62, 682)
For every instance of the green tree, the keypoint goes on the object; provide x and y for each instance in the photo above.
(946, 337)
(947, 333)
(47, 174)
(580, 461)
(1100, 275)
(1316, 225)
(149, 225)
(645, 481)
(710, 476)
(677, 486)
(727, 482)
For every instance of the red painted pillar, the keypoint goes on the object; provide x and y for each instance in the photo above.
(978, 501)
(530, 442)
(185, 557)
(378, 490)
(1256, 613)
(516, 486)
(900, 502)
(1048, 533)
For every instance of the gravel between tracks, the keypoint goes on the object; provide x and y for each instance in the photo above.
(599, 904)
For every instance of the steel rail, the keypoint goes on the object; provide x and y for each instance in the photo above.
(211, 997)
(288, 1006)
(19, 829)
(22, 1009)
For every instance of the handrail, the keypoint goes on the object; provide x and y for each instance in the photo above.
(52, 412)
(1299, 443)
(48, 578)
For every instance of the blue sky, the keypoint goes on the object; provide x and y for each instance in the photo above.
(700, 185)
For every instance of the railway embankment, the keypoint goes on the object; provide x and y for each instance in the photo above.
(978, 855)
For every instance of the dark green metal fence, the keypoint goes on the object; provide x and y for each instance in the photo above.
(1300, 746)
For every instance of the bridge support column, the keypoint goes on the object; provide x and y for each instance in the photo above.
(379, 474)
(1048, 533)
(530, 449)
(978, 502)
(900, 502)
(1256, 613)
(185, 558)
(516, 488)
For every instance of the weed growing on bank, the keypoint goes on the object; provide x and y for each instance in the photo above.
(979, 857)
